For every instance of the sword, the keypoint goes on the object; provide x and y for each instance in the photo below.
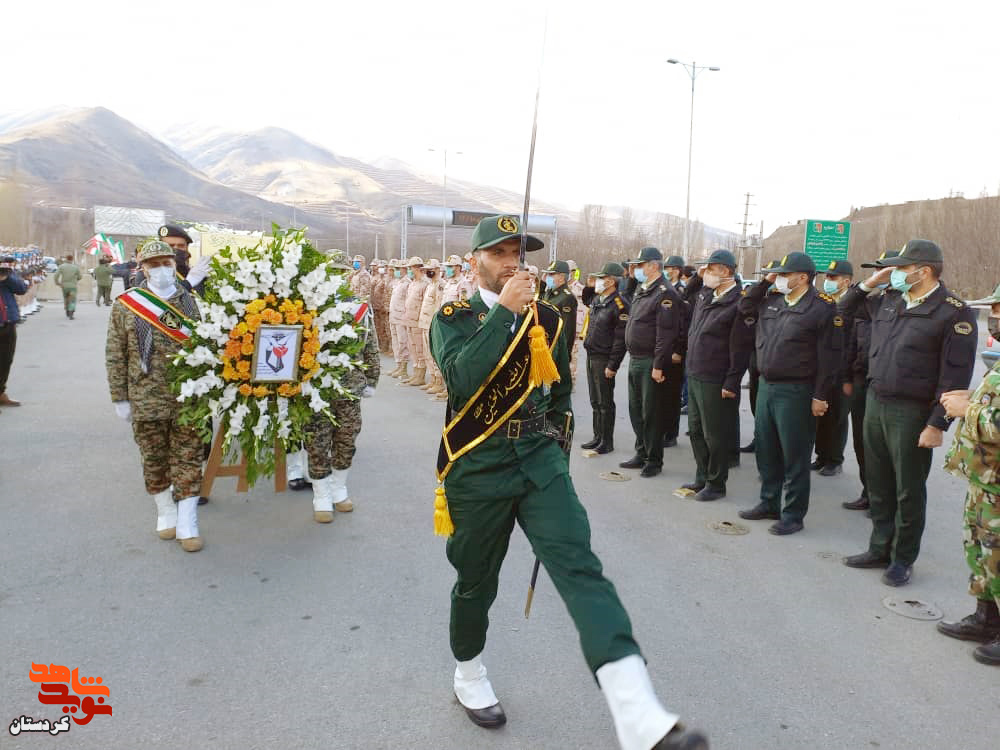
(531, 154)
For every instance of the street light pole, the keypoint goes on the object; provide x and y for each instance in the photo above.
(692, 70)
(444, 203)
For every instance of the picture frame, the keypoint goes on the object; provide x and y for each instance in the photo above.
(276, 352)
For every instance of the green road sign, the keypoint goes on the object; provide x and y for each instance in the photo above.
(826, 241)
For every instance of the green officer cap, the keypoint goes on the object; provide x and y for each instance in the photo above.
(722, 257)
(647, 254)
(988, 301)
(495, 229)
(915, 251)
(558, 266)
(883, 256)
(674, 261)
(610, 269)
(795, 263)
(155, 249)
(768, 267)
(839, 268)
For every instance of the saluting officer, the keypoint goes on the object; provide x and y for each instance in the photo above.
(923, 344)
(654, 328)
(605, 345)
(751, 447)
(558, 294)
(719, 344)
(798, 347)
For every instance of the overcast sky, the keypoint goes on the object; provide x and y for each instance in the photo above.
(818, 107)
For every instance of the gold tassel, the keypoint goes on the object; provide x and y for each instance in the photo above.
(442, 518)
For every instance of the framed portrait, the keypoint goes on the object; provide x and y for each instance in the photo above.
(276, 354)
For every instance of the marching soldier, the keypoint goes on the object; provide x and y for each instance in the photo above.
(360, 280)
(67, 277)
(103, 276)
(605, 346)
(147, 327)
(720, 340)
(798, 345)
(975, 456)
(497, 472)
(831, 428)
(923, 344)
(397, 320)
(558, 294)
(414, 300)
(655, 326)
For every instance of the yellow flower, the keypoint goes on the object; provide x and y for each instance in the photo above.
(311, 346)
(255, 307)
(245, 389)
(260, 391)
(243, 367)
(270, 299)
(291, 317)
(308, 333)
(306, 319)
(228, 373)
(247, 350)
(288, 389)
(311, 374)
(253, 322)
(307, 361)
(299, 304)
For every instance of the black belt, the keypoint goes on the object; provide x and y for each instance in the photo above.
(519, 428)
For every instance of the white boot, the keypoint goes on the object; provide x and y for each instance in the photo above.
(640, 719)
(166, 514)
(323, 499)
(475, 693)
(340, 499)
(187, 524)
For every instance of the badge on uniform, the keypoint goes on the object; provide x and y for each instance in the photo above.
(750, 321)
(623, 316)
(163, 231)
(963, 328)
(482, 317)
(838, 321)
(567, 309)
(667, 303)
(507, 224)
(447, 310)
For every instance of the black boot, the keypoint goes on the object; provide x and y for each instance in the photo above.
(636, 462)
(591, 444)
(983, 625)
(607, 444)
(988, 653)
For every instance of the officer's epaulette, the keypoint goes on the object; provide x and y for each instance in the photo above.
(618, 301)
(827, 298)
(548, 305)
(956, 302)
(453, 308)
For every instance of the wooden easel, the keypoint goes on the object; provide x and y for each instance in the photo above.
(215, 468)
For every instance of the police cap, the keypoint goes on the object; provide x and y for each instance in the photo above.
(610, 269)
(915, 251)
(172, 230)
(495, 229)
(839, 268)
(795, 263)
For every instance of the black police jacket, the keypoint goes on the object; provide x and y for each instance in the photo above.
(720, 340)
(800, 343)
(860, 339)
(917, 354)
(627, 288)
(564, 301)
(656, 323)
(606, 329)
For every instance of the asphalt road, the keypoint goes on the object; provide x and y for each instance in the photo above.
(283, 633)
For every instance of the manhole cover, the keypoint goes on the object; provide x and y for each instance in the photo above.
(728, 527)
(614, 476)
(915, 609)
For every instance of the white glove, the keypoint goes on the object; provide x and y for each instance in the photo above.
(368, 392)
(123, 409)
(199, 271)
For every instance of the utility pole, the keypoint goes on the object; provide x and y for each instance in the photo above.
(376, 245)
(743, 240)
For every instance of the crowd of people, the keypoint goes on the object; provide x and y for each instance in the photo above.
(22, 270)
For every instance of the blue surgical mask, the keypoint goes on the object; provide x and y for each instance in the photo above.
(466, 267)
(449, 271)
(357, 265)
(830, 287)
(550, 283)
(398, 274)
(640, 275)
(898, 280)
(410, 273)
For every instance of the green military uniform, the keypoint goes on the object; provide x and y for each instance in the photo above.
(563, 300)
(103, 275)
(517, 474)
(67, 277)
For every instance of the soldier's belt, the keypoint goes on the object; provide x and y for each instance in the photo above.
(519, 428)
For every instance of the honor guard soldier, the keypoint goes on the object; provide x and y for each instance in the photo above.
(975, 456)
(831, 428)
(503, 466)
(558, 294)
(605, 346)
(923, 344)
(719, 344)
(857, 363)
(754, 373)
(147, 326)
(655, 326)
(798, 344)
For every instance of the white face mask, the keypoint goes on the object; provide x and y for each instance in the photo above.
(599, 286)
(712, 280)
(781, 284)
(161, 277)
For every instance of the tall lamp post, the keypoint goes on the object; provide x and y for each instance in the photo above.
(444, 201)
(692, 70)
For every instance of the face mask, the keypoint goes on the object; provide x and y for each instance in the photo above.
(466, 267)
(409, 273)
(712, 280)
(831, 287)
(600, 285)
(550, 283)
(430, 274)
(781, 284)
(993, 325)
(162, 277)
(381, 271)
(898, 281)
(397, 273)
(357, 265)
(449, 271)
(640, 275)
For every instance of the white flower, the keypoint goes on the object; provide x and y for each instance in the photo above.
(265, 418)
(228, 397)
(229, 294)
(316, 402)
(202, 355)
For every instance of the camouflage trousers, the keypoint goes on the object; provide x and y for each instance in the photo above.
(331, 447)
(171, 455)
(382, 326)
(982, 543)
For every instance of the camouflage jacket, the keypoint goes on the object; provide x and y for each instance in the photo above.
(975, 450)
(149, 393)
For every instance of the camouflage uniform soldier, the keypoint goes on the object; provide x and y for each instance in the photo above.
(975, 455)
(330, 445)
(428, 308)
(360, 281)
(414, 300)
(145, 330)
(381, 290)
(397, 320)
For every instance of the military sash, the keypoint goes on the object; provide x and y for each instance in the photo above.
(159, 313)
(506, 388)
